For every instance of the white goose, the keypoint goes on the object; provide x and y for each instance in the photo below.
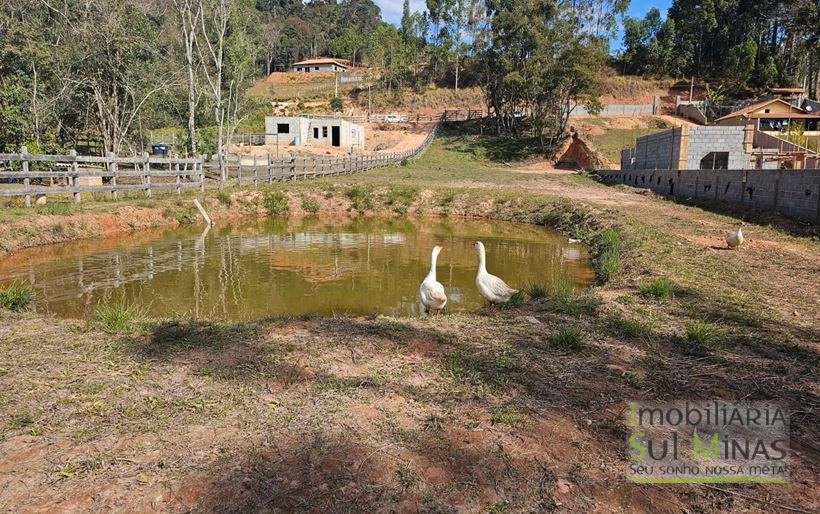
(431, 292)
(491, 287)
(735, 239)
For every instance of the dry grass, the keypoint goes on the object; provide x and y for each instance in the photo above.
(484, 411)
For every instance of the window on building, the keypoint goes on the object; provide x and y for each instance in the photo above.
(282, 128)
(315, 132)
(316, 68)
(324, 131)
(767, 111)
(715, 161)
(298, 69)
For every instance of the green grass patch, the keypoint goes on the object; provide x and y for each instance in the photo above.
(361, 197)
(224, 198)
(569, 339)
(17, 296)
(506, 416)
(400, 197)
(630, 328)
(515, 300)
(310, 205)
(116, 319)
(607, 247)
(537, 291)
(701, 333)
(660, 288)
(576, 305)
(277, 203)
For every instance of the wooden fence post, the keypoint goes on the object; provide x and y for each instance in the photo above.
(255, 172)
(293, 168)
(270, 170)
(26, 179)
(176, 170)
(200, 163)
(239, 170)
(75, 179)
(113, 169)
(146, 177)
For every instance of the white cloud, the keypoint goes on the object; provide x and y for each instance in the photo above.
(391, 9)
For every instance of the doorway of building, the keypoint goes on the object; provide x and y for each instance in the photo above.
(335, 136)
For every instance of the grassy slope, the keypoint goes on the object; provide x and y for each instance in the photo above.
(485, 411)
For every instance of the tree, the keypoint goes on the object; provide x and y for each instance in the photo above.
(188, 13)
(538, 61)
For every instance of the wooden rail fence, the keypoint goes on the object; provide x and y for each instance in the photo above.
(268, 168)
(27, 175)
(37, 175)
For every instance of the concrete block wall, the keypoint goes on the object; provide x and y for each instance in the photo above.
(655, 150)
(704, 140)
(793, 193)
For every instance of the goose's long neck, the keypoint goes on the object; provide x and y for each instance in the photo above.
(433, 260)
(482, 260)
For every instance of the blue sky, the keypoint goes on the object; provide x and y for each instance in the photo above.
(391, 11)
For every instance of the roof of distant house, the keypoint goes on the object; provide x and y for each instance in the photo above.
(787, 90)
(321, 60)
(759, 105)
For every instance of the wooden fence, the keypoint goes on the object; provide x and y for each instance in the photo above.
(27, 175)
(268, 168)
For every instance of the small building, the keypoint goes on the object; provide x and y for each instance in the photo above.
(691, 148)
(319, 65)
(780, 117)
(715, 147)
(304, 131)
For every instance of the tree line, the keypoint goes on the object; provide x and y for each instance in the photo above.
(743, 45)
(79, 69)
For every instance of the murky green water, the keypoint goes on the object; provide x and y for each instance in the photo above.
(250, 270)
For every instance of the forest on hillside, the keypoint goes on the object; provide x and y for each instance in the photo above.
(71, 70)
(741, 44)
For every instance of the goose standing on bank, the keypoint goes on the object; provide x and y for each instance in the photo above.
(491, 287)
(431, 292)
(735, 239)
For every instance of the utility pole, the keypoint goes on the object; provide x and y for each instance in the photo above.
(691, 87)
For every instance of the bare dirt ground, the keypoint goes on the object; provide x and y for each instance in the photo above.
(474, 412)
(379, 138)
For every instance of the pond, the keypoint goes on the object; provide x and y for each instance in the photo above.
(254, 269)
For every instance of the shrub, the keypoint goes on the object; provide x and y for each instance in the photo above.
(116, 319)
(277, 203)
(660, 288)
(310, 205)
(17, 296)
(336, 104)
(569, 339)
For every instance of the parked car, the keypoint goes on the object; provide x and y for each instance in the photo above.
(394, 118)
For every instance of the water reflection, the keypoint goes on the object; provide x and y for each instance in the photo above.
(255, 269)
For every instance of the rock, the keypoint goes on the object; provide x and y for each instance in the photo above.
(529, 319)
(41, 200)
